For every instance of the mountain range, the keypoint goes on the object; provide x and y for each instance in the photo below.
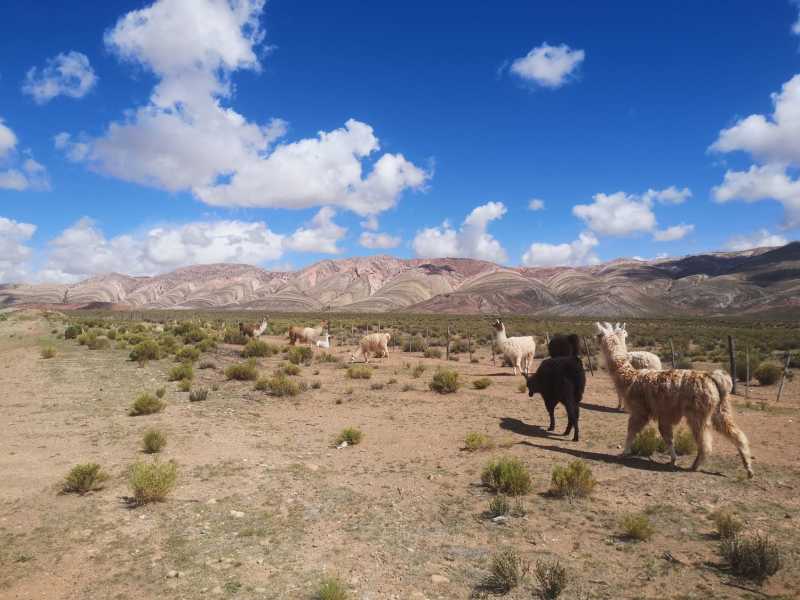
(757, 282)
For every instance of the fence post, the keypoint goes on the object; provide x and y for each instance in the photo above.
(588, 356)
(732, 356)
(469, 345)
(447, 352)
(783, 375)
(672, 351)
(747, 371)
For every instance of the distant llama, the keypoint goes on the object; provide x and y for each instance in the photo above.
(518, 350)
(667, 396)
(306, 335)
(253, 330)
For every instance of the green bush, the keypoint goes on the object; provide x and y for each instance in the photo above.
(331, 589)
(234, 336)
(507, 476)
(432, 353)
(153, 441)
(278, 385)
(768, 373)
(445, 381)
(327, 357)
(351, 435)
(181, 372)
(152, 482)
(84, 478)
(187, 354)
(48, 352)
(245, 371)
(98, 343)
(359, 372)
(168, 344)
(753, 557)
(647, 442)
(160, 392)
(573, 481)
(684, 442)
(299, 355)
(145, 350)
(258, 348)
(184, 385)
(198, 395)
(146, 404)
(72, 331)
(291, 369)
(727, 524)
(636, 527)
(482, 383)
(477, 441)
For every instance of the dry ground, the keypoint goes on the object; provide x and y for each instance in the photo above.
(265, 506)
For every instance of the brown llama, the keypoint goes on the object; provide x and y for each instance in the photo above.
(306, 335)
(253, 330)
(668, 396)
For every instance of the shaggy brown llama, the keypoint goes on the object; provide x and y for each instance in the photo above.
(306, 335)
(668, 396)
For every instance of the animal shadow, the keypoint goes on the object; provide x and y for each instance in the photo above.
(523, 428)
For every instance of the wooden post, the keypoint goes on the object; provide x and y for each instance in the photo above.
(469, 345)
(747, 371)
(783, 375)
(672, 351)
(732, 356)
(588, 356)
(447, 352)
(494, 363)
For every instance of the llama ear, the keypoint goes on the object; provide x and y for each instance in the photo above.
(599, 328)
(623, 326)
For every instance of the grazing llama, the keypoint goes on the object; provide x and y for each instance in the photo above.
(518, 350)
(667, 396)
(373, 343)
(252, 330)
(306, 335)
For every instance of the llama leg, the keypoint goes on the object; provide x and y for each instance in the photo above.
(551, 410)
(666, 434)
(636, 423)
(620, 403)
(723, 422)
(702, 436)
(572, 416)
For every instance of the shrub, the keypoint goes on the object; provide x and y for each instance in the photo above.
(445, 381)
(234, 336)
(188, 354)
(207, 364)
(573, 481)
(331, 589)
(278, 385)
(146, 405)
(359, 372)
(98, 343)
(291, 369)
(145, 350)
(152, 482)
(206, 344)
(198, 395)
(482, 383)
(153, 441)
(552, 578)
(754, 557)
(499, 507)
(636, 527)
(407, 388)
(168, 344)
(181, 372)
(351, 435)
(684, 442)
(522, 388)
(327, 357)
(507, 476)
(245, 371)
(768, 373)
(508, 570)
(376, 386)
(646, 442)
(72, 331)
(258, 348)
(184, 385)
(111, 334)
(417, 372)
(432, 353)
(316, 385)
(683, 363)
(84, 478)
(299, 355)
(160, 392)
(477, 441)
(48, 352)
(727, 524)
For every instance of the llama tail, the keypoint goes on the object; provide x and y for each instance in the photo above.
(722, 419)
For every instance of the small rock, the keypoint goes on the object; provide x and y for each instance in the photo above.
(439, 579)
(212, 501)
(500, 519)
(172, 574)
(342, 445)
(237, 514)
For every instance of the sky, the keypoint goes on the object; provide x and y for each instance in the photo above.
(139, 137)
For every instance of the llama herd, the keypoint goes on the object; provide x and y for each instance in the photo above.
(646, 390)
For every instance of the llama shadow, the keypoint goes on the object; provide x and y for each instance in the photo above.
(601, 408)
(522, 428)
(501, 374)
(634, 462)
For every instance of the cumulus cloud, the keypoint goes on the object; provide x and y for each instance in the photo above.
(14, 251)
(67, 74)
(622, 214)
(370, 239)
(796, 24)
(8, 140)
(322, 235)
(768, 182)
(19, 171)
(548, 66)
(576, 253)
(471, 240)
(185, 139)
(535, 204)
(759, 239)
(370, 223)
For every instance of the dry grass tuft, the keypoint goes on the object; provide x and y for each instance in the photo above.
(152, 482)
(359, 372)
(445, 381)
(154, 441)
(508, 571)
(573, 481)
(245, 371)
(84, 478)
(552, 578)
(507, 476)
(146, 404)
(637, 527)
(753, 557)
(482, 383)
(474, 441)
(351, 435)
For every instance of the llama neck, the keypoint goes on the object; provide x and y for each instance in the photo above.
(619, 366)
(500, 336)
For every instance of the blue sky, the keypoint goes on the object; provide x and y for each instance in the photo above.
(143, 136)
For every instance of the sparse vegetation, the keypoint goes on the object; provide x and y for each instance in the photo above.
(154, 441)
(160, 392)
(152, 482)
(258, 348)
(359, 372)
(636, 527)
(278, 385)
(753, 556)
(351, 435)
(499, 506)
(187, 354)
(432, 353)
(185, 385)
(181, 372)
(482, 383)
(684, 442)
(646, 442)
(245, 371)
(144, 351)
(72, 331)
(291, 369)
(728, 525)
(508, 571)
(474, 441)
(48, 352)
(507, 476)
(445, 381)
(331, 589)
(551, 577)
(417, 371)
(573, 481)
(198, 395)
(768, 373)
(84, 478)
(298, 355)
(146, 404)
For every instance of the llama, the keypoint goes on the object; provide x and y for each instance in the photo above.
(564, 345)
(640, 360)
(252, 330)
(373, 343)
(563, 380)
(518, 350)
(325, 342)
(668, 396)
(306, 335)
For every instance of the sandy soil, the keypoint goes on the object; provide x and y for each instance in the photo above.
(265, 505)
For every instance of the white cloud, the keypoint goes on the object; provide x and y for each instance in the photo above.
(773, 139)
(768, 182)
(535, 204)
(671, 234)
(548, 66)
(8, 140)
(576, 253)
(759, 239)
(67, 74)
(322, 236)
(75, 151)
(185, 139)
(371, 239)
(14, 253)
(622, 214)
(470, 241)
(796, 25)
(370, 223)
(19, 173)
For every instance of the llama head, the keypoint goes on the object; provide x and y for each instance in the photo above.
(498, 325)
(612, 338)
(530, 381)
